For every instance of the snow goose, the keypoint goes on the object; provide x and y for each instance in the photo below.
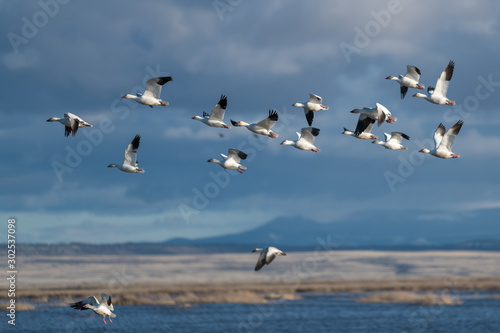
(130, 162)
(410, 80)
(216, 117)
(263, 127)
(266, 256)
(438, 95)
(71, 123)
(305, 140)
(313, 104)
(102, 309)
(393, 140)
(444, 141)
(151, 95)
(232, 161)
(379, 113)
(363, 128)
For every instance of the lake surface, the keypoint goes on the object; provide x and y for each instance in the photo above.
(480, 312)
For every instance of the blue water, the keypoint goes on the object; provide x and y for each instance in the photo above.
(480, 312)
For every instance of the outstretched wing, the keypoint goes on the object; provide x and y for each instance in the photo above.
(444, 79)
(397, 137)
(269, 121)
(88, 303)
(450, 135)
(131, 151)
(261, 261)
(153, 86)
(413, 72)
(315, 99)
(309, 133)
(219, 109)
(236, 154)
(438, 135)
(365, 124)
(106, 300)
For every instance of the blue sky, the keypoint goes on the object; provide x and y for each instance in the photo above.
(77, 57)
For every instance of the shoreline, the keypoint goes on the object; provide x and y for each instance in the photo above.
(251, 292)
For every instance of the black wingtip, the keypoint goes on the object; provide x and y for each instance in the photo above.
(273, 115)
(315, 131)
(310, 117)
(235, 123)
(136, 141)
(417, 70)
(223, 101)
(162, 80)
(242, 155)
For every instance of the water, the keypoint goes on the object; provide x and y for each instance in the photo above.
(480, 312)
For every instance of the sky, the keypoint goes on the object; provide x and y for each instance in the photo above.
(65, 56)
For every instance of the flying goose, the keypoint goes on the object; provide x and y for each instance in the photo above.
(216, 117)
(266, 256)
(363, 128)
(102, 309)
(263, 127)
(305, 140)
(313, 104)
(151, 95)
(379, 113)
(438, 95)
(71, 123)
(130, 162)
(410, 80)
(393, 140)
(444, 141)
(232, 161)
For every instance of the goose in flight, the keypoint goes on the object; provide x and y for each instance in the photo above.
(216, 117)
(266, 256)
(130, 162)
(393, 140)
(263, 127)
(102, 309)
(378, 113)
(151, 95)
(410, 80)
(313, 104)
(438, 95)
(232, 161)
(71, 123)
(444, 141)
(305, 140)
(363, 128)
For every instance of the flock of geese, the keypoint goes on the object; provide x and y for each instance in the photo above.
(379, 114)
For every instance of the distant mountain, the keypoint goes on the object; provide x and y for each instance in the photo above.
(382, 231)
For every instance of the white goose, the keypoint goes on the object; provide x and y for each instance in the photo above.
(438, 95)
(232, 161)
(130, 161)
(266, 256)
(444, 141)
(363, 128)
(263, 127)
(393, 140)
(305, 140)
(102, 309)
(216, 117)
(379, 113)
(71, 123)
(313, 104)
(410, 80)
(151, 95)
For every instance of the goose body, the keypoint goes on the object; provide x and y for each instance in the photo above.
(263, 127)
(71, 123)
(216, 117)
(232, 160)
(103, 309)
(410, 80)
(266, 256)
(305, 139)
(151, 95)
(393, 140)
(363, 128)
(444, 140)
(438, 95)
(315, 103)
(130, 161)
(378, 113)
